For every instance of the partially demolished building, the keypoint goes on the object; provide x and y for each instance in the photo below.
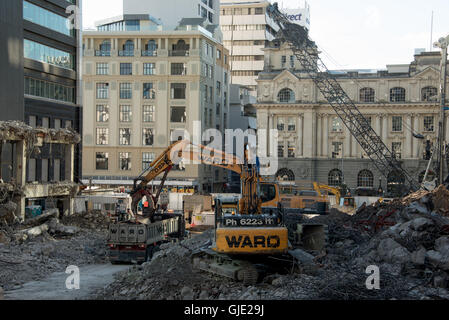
(17, 192)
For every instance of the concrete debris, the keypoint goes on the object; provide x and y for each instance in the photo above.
(407, 239)
(16, 130)
(30, 254)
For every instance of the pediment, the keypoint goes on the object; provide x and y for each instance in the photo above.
(428, 73)
(286, 76)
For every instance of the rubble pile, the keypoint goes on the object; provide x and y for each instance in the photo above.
(13, 130)
(407, 239)
(95, 220)
(45, 244)
(38, 257)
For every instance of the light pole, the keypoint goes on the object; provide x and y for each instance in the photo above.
(442, 43)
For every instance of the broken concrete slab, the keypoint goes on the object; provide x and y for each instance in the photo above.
(421, 224)
(438, 260)
(418, 257)
(391, 251)
(301, 256)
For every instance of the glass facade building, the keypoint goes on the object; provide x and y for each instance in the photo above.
(47, 19)
(40, 52)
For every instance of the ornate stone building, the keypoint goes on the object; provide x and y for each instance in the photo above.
(314, 144)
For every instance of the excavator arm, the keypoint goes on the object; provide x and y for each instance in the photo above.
(185, 151)
(318, 187)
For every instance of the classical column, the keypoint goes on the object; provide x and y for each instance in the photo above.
(326, 135)
(92, 43)
(385, 129)
(191, 44)
(379, 124)
(270, 127)
(300, 135)
(354, 145)
(319, 135)
(416, 141)
(408, 138)
(347, 143)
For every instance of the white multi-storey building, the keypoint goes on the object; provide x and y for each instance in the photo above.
(246, 28)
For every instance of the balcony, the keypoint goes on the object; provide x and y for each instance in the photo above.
(101, 53)
(146, 53)
(178, 53)
(125, 53)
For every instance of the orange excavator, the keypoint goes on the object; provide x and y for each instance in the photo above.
(254, 228)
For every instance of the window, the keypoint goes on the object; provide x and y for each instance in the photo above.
(57, 124)
(367, 95)
(149, 69)
(429, 94)
(211, 94)
(211, 72)
(101, 161)
(280, 150)
(125, 137)
(429, 124)
(219, 88)
(397, 124)
(281, 124)
(46, 18)
(125, 161)
(102, 113)
(337, 150)
(102, 136)
(102, 68)
(102, 90)
(218, 54)
(126, 69)
(45, 122)
(206, 93)
(292, 62)
(336, 125)
(148, 137)
(148, 113)
(126, 91)
(178, 69)
(396, 148)
(150, 49)
(148, 91)
(283, 61)
(365, 179)
(147, 159)
(286, 96)
(397, 95)
(335, 178)
(178, 114)
(291, 150)
(40, 52)
(178, 90)
(258, 11)
(218, 109)
(291, 124)
(49, 90)
(125, 113)
(128, 49)
(226, 78)
(105, 49)
(32, 121)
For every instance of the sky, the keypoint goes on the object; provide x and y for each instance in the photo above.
(352, 34)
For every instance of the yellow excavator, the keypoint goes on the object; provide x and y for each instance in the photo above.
(348, 202)
(257, 225)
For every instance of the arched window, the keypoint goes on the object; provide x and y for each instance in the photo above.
(286, 96)
(128, 48)
(365, 179)
(429, 94)
(367, 95)
(151, 45)
(397, 94)
(335, 178)
(285, 175)
(105, 48)
(430, 176)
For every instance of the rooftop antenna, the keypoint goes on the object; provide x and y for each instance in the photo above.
(431, 33)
